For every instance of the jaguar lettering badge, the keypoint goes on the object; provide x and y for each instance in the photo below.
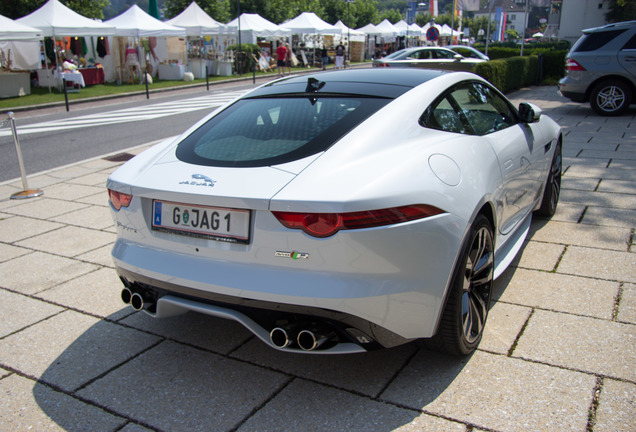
(203, 181)
(292, 255)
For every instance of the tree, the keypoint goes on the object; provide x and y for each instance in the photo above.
(216, 9)
(512, 35)
(393, 15)
(621, 10)
(18, 8)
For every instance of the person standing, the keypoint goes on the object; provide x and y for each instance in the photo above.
(325, 57)
(288, 59)
(281, 53)
(340, 55)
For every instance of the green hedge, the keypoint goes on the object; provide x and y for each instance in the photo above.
(511, 73)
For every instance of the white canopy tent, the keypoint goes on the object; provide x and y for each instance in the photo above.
(355, 35)
(196, 22)
(385, 29)
(13, 30)
(253, 26)
(137, 23)
(55, 19)
(199, 24)
(310, 23)
(368, 29)
(402, 27)
(20, 44)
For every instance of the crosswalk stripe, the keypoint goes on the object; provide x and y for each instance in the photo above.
(126, 115)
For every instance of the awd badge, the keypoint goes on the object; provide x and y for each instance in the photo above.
(292, 255)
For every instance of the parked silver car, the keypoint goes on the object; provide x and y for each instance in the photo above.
(601, 68)
(468, 51)
(427, 58)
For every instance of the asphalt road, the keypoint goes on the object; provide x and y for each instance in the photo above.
(52, 137)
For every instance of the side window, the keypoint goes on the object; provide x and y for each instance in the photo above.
(471, 108)
(444, 117)
(441, 54)
(631, 44)
(485, 110)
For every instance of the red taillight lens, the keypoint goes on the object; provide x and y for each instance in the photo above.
(573, 65)
(119, 199)
(327, 224)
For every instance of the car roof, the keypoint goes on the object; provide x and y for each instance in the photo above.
(378, 82)
(612, 26)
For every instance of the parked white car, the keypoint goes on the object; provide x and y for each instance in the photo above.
(340, 213)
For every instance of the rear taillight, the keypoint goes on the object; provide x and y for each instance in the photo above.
(327, 224)
(383, 65)
(119, 199)
(573, 65)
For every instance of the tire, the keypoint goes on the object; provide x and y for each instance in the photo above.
(552, 189)
(464, 316)
(610, 98)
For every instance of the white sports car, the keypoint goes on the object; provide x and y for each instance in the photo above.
(340, 213)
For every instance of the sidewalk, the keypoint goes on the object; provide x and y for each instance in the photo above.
(558, 354)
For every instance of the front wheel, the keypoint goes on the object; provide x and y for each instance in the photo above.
(610, 98)
(552, 189)
(464, 316)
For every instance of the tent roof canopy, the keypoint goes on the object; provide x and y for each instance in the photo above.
(55, 19)
(384, 29)
(12, 30)
(259, 26)
(135, 22)
(197, 22)
(309, 22)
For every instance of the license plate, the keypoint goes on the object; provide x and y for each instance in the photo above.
(217, 223)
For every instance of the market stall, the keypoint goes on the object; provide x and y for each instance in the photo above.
(311, 30)
(205, 37)
(55, 20)
(134, 54)
(19, 51)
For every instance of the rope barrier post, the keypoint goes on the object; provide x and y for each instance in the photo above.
(146, 81)
(26, 193)
(65, 94)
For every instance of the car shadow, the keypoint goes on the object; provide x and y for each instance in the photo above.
(196, 372)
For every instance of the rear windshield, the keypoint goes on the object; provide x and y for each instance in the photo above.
(594, 41)
(271, 131)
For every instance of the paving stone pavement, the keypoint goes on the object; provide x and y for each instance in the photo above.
(558, 354)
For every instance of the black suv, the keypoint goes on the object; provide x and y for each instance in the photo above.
(601, 68)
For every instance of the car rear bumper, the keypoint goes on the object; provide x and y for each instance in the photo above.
(397, 298)
(573, 91)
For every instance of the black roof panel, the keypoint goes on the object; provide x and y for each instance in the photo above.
(382, 82)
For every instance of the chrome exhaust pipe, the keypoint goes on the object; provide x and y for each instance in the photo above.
(280, 337)
(126, 295)
(137, 302)
(309, 340)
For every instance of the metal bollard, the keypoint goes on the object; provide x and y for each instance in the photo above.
(26, 193)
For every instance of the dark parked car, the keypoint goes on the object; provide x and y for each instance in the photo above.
(601, 68)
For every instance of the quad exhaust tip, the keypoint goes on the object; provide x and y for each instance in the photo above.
(306, 340)
(126, 295)
(137, 302)
(280, 337)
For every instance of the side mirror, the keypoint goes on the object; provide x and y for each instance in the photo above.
(529, 112)
(458, 57)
